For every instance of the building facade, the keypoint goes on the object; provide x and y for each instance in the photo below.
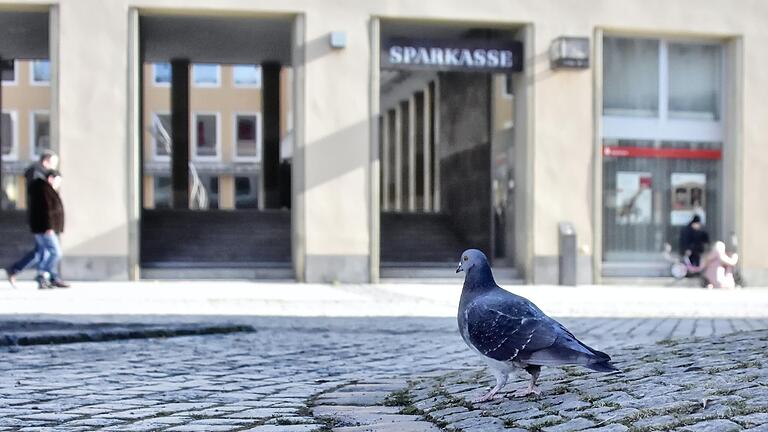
(344, 164)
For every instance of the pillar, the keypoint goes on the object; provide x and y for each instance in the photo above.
(180, 133)
(270, 156)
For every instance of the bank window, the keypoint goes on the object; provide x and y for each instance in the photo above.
(41, 133)
(206, 75)
(246, 75)
(161, 135)
(8, 72)
(40, 72)
(205, 135)
(248, 135)
(8, 135)
(161, 74)
(662, 146)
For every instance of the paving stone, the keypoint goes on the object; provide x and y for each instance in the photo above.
(284, 377)
(576, 424)
(714, 426)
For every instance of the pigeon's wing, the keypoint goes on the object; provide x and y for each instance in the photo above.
(516, 330)
(507, 331)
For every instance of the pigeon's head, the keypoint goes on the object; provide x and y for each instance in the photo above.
(470, 259)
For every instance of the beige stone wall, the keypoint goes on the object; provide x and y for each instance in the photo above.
(93, 106)
(23, 98)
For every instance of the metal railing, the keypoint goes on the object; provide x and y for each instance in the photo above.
(198, 196)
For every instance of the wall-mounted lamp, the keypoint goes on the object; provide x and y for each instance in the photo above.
(338, 40)
(567, 52)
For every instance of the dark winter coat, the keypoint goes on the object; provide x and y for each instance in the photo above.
(46, 210)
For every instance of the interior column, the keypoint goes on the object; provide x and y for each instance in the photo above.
(270, 156)
(180, 133)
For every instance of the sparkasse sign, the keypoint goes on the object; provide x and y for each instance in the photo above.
(452, 55)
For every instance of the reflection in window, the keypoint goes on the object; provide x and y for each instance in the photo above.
(205, 74)
(9, 192)
(6, 134)
(246, 192)
(41, 71)
(8, 71)
(41, 133)
(247, 75)
(205, 135)
(694, 81)
(247, 135)
(161, 73)
(211, 185)
(162, 188)
(631, 77)
(162, 134)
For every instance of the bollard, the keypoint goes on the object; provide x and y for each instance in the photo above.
(568, 254)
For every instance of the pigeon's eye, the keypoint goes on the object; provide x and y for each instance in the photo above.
(466, 258)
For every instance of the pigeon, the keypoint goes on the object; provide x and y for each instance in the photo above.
(508, 331)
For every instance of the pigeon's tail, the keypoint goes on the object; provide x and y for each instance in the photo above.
(604, 366)
(603, 363)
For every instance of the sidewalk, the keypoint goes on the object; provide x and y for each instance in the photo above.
(243, 298)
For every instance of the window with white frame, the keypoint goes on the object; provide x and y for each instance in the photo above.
(662, 142)
(248, 136)
(161, 74)
(8, 135)
(40, 72)
(206, 135)
(246, 75)
(41, 132)
(161, 135)
(206, 75)
(8, 72)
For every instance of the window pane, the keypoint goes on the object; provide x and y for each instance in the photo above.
(41, 71)
(694, 81)
(246, 136)
(206, 74)
(246, 192)
(162, 134)
(162, 192)
(6, 134)
(9, 192)
(8, 70)
(42, 133)
(206, 135)
(630, 77)
(648, 200)
(247, 75)
(211, 185)
(162, 73)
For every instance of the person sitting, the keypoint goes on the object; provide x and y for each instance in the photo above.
(693, 240)
(718, 267)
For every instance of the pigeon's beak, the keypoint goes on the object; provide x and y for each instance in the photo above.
(459, 268)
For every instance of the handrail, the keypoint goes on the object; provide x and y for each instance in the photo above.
(198, 196)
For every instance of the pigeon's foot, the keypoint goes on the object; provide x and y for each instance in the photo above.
(532, 389)
(488, 396)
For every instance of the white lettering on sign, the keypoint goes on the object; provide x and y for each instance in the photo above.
(436, 56)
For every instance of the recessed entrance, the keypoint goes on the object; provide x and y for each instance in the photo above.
(446, 146)
(217, 147)
(25, 123)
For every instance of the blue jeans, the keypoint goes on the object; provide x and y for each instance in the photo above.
(50, 251)
(31, 258)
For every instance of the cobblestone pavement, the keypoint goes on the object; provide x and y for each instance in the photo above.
(387, 374)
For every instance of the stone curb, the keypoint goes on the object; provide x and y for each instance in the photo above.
(112, 333)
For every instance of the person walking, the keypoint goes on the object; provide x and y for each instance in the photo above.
(39, 170)
(46, 220)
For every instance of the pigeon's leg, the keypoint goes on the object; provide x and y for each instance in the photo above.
(532, 389)
(501, 379)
